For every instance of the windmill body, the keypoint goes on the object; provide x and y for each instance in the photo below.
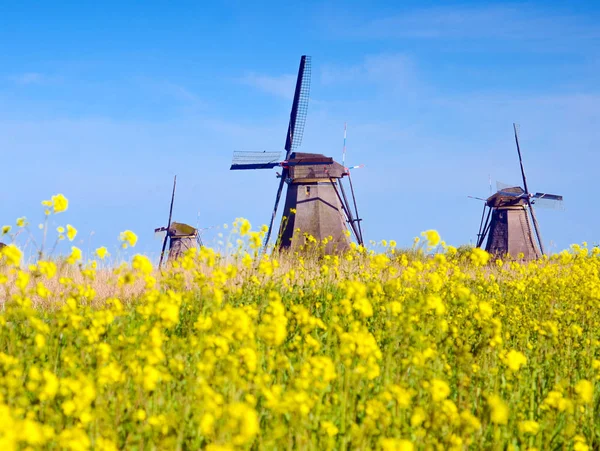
(510, 230)
(316, 203)
(181, 238)
(313, 206)
(511, 225)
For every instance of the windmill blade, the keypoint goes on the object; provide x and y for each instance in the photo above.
(477, 198)
(277, 198)
(356, 167)
(295, 128)
(501, 186)
(205, 229)
(548, 196)
(164, 245)
(552, 201)
(484, 227)
(299, 107)
(536, 226)
(255, 160)
(358, 219)
(520, 159)
(344, 148)
(528, 196)
(549, 204)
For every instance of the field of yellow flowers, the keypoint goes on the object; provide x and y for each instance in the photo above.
(431, 348)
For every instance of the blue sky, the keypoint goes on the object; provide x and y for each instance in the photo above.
(106, 101)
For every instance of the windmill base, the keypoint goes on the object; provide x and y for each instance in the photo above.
(179, 245)
(318, 213)
(510, 233)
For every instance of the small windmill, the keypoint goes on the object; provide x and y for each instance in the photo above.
(181, 236)
(507, 225)
(316, 201)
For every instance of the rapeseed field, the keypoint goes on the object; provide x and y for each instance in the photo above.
(428, 348)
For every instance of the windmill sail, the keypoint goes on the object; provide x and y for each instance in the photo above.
(255, 160)
(164, 245)
(544, 200)
(299, 107)
(295, 128)
(531, 209)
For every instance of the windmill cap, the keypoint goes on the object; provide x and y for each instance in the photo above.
(507, 197)
(180, 229)
(314, 166)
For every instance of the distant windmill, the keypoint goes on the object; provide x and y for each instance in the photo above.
(507, 225)
(181, 236)
(316, 202)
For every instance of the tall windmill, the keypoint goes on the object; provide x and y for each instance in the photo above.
(510, 215)
(316, 201)
(181, 236)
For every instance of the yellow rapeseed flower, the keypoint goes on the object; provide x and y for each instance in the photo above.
(75, 255)
(245, 227)
(432, 237)
(102, 252)
(330, 429)
(515, 360)
(11, 254)
(395, 444)
(479, 257)
(60, 203)
(128, 238)
(529, 427)
(585, 391)
(71, 232)
(498, 409)
(439, 390)
(142, 263)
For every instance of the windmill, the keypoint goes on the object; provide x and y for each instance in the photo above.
(316, 201)
(181, 236)
(507, 225)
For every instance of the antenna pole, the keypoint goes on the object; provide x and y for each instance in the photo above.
(344, 150)
(162, 252)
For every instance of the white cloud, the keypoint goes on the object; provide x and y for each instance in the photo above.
(28, 78)
(280, 86)
(394, 70)
(501, 21)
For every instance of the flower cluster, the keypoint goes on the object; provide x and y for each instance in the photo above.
(398, 350)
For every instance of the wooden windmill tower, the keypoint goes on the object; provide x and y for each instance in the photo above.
(511, 226)
(316, 201)
(181, 236)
